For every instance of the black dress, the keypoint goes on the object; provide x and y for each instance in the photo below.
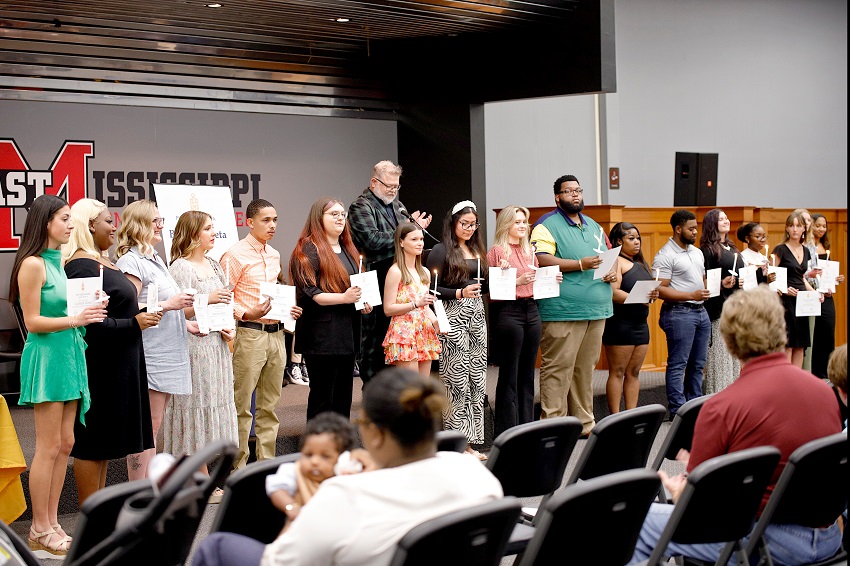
(796, 328)
(627, 326)
(119, 420)
(824, 336)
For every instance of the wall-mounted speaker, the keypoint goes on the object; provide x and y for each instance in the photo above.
(695, 181)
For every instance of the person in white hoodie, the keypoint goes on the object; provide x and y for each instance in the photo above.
(358, 519)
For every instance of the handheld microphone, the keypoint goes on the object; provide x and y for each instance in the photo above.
(407, 215)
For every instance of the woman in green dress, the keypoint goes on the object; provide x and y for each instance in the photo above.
(53, 365)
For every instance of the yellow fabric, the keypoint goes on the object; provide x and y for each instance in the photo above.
(12, 464)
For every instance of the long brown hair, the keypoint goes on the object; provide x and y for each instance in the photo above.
(824, 240)
(458, 271)
(189, 226)
(34, 239)
(401, 233)
(332, 276)
(710, 237)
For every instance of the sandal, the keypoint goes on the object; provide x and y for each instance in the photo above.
(48, 544)
(61, 532)
(216, 496)
(473, 452)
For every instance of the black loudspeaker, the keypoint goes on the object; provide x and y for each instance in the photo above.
(695, 181)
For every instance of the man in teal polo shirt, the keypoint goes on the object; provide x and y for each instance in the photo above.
(573, 322)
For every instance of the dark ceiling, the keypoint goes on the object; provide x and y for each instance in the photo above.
(294, 56)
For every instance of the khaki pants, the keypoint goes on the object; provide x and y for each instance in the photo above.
(259, 358)
(569, 350)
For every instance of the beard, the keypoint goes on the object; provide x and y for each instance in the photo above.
(571, 208)
(688, 240)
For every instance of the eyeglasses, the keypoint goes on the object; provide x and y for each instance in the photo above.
(390, 187)
(337, 215)
(158, 221)
(469, 225)
(577, 191)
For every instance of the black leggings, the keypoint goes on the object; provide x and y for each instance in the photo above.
(331, 380)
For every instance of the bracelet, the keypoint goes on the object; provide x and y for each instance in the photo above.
(580, 266)
(72, 322)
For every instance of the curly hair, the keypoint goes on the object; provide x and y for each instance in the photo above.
(136, 228)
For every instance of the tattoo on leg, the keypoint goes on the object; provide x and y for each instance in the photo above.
(134, 460)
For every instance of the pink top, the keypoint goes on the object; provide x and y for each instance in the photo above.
(517, 259)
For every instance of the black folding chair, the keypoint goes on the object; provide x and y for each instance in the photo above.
(619, 442)
(593, 522)
(450, 441)
(158, 528)
(474, 536)
(679, 435)
(245, 508)
(719, 503)
(13, 550)
(812, 491)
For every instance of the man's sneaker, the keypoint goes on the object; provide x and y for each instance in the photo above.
(293, 374)
(304, 375)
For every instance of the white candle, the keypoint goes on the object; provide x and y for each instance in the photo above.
(827, 259)
(360, 269)
(657, 273)
(479, 267)
(101, 278)
(774, 259)
(735, 262)
(435, 282)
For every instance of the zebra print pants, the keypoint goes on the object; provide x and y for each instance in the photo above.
(463, 367)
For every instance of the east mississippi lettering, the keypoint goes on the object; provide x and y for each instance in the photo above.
(117, 189)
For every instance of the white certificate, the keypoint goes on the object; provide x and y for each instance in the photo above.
(712, 281)
(781, 283)
(370, 291)
(503, 284)
(641, 290)
(82, 292)
(546, 283)
(808, 303)
(283, 299)
(829, 271)
(221, 317)
(442, 319)
(748, 276)
(609, 258)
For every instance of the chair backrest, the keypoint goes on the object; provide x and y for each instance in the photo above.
(529, 459)
(245, 508)
(13, 550)
(619, 442)
(598, 520)
(476, 535)
(720, 501)
(450, 441)
(158, 528)
(812, 490)
(19, 316)
(681, 431)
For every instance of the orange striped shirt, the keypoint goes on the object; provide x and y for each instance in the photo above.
(248, 263)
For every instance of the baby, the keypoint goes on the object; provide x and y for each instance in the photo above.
(325, 452)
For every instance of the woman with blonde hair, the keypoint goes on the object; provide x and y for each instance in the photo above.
(166, 344)
(515, 325)
(119, 422)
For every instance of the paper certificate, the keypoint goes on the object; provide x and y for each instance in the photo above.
(82, 292)
(283, 299)
(781, 283)
(748, 276)
(213, 318)
(502, 284)
(712, 282)
(442, 319)
(609, 258)
(808, 303)
(546, 283)
(640, 292)
(829, 272)
(370, 291)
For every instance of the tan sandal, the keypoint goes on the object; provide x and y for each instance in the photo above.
(48, 544)
(61, 532)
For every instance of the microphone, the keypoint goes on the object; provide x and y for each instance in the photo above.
(403, 212)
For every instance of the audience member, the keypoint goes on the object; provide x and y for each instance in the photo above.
(119, 421)
(209, 413)
(515, 327)
(626, 336)
(772, 403)
(823, 338)
(329, 331)
(837, 370)
(374, 216)
(681, 267)
(720, 252)
(463, 361)
(53, 364)
(166, 345)
(411, 339)
(573, 323)
(755, 238)
(358, 519)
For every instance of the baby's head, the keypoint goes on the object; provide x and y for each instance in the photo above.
(326, 436)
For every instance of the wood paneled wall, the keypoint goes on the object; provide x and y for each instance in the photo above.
(654, 226)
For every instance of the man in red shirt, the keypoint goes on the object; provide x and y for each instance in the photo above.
(772, 403)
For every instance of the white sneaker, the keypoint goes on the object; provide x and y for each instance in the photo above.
(295, 375)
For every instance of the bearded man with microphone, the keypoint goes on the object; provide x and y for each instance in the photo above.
(373, 218)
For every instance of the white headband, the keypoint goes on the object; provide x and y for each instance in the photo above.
(463, 204)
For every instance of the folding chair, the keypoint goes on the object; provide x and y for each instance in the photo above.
(619, 442)
(450, 441)
(245, 508)
(593, 522)
(13, 550)
(812, 491)
(474, 536)
(719, 503)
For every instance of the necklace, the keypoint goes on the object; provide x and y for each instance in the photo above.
(724, 246)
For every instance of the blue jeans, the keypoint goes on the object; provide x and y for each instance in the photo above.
(228, 549)
(788, 544)
(688, 331)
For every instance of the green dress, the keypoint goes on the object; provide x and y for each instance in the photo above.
(53, 364)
